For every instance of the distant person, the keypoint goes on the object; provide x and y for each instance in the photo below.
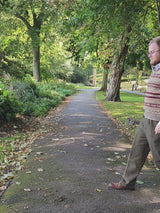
(132, 87)
(147, 136)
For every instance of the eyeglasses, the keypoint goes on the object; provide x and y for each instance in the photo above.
(152, 52)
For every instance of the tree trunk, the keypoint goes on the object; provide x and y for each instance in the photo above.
(34, 34)
(36, 63)
(94, 77)
(105, 80)
(117, 67)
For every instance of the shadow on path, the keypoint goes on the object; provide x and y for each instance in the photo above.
(72, 163)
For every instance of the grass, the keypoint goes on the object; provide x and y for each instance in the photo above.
(82, 86)
(125, 84)
(131, 106)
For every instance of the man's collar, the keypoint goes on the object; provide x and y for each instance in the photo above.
(156, 67)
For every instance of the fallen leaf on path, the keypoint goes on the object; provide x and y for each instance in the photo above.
(117, 173)
(110, 159)
(36, 158)
(124, 163)
(39, 153)
(18, 183)
(62, 151)
(107, 162)
(55, 139)
(47, 194)
(139, 182)
(40, 170)
(116, 153)
(26, 207)
(109, 169)
(27, 190)
(66, 206)
(98, 190)
(28, 172)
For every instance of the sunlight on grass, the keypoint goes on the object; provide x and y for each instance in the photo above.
(131, 106)
(82, 86)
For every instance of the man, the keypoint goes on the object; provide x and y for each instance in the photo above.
(147, 136)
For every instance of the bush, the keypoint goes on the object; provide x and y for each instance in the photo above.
(9, 105)
(79, 75)
(37, 98)
(53, 88)
(25, 91)
(42, 105)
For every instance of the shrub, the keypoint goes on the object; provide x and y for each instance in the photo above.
(38, 98)
(42, 106)
(9, 105)
(25, 91)
(79, 75)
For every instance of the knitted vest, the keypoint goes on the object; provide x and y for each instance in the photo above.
(152, 97)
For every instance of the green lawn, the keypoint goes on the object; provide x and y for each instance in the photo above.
(131, 106)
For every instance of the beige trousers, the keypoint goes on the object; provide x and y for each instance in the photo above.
(144, 142)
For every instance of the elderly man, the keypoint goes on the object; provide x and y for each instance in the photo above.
(147, 136)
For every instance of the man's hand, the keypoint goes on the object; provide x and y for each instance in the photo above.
(157, 129)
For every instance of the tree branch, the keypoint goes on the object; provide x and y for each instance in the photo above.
(24, 20)
(2, 2)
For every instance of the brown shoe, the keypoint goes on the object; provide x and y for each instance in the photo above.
(118, 186)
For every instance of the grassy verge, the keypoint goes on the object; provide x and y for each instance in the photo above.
(126, 113)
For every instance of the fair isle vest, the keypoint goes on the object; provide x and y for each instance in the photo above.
(152, 97)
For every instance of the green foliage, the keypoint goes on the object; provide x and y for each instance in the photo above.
(50, 95)
(55, 61)
(41, 106)
(9, 105)
(38, 98)
(79, 75)
(25, 90)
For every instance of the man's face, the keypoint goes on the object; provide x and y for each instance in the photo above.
(154, 54)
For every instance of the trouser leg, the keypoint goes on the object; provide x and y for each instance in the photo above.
(137, 157)
(154, 142)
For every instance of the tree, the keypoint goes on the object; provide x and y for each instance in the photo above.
(132, 16)
(117, 66)
(112, 19)
(34, 14)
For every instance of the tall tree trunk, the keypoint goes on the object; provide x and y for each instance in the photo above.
(34, 34)
(117, 67)
(105, 79)
(36, 63)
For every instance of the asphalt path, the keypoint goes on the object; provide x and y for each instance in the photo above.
(73, 161)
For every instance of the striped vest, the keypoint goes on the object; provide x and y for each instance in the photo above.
(152, 97)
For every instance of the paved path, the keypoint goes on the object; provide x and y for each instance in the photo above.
(135, 92)
(72, 163)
